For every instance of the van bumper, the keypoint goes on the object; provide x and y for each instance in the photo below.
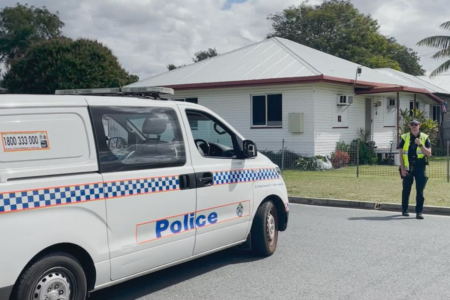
(5, 292)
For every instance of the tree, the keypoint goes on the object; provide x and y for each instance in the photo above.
(66, 64)
(407, 58)
(24, 25)
(202, 55)
(441, 42)
(171, 67)
(198, 56)
(338, 28)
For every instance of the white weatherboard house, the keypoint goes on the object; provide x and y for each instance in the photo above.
(278, 90)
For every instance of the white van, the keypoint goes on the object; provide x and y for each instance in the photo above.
(95, 191)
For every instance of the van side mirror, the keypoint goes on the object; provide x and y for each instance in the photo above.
(249, 149)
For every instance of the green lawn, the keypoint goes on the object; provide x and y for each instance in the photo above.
(384, 188)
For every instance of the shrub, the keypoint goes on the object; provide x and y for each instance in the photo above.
(340, 159)
(308, 164)
(439, 151)
(290, 158)
(366, 153)
(342, 146)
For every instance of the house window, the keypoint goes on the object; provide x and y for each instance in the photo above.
(411, 107)
(267, 110)
(437, 113)
(190, 100)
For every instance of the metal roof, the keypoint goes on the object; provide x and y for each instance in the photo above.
(413, 81)
(442, 81)
(270, 59)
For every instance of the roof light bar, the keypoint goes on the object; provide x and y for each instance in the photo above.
(148, 90)
(118, 91)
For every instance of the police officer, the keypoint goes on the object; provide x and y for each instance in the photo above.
(415, 147)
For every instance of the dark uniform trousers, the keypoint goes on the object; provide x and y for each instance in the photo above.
(417, 173)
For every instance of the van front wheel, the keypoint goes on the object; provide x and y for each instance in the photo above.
(57, 276)
(264, 233)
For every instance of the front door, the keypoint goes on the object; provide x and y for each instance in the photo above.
(146, 169)
(224, 182)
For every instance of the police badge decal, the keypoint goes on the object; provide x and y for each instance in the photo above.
(239, 210)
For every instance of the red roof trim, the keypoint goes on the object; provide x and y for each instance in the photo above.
(375, 87)
(272, 81)
(379, 90)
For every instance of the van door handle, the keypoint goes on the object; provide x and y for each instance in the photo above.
(187, 181)
(204, 179)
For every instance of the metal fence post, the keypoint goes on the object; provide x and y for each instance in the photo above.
(282, 157)
(357, 160)
(448, 161)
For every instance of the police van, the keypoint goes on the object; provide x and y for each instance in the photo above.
(97, 190)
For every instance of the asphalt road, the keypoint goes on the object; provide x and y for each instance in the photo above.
(326, 253)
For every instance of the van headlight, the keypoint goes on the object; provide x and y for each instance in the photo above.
(279, 171)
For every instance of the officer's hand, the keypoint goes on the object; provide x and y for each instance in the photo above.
(404, 173)
(417, 141)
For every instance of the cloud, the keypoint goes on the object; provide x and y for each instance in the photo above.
(409, 21)
(146, 35)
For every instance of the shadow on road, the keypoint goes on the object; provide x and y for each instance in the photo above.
(383, 218)
(154, 282)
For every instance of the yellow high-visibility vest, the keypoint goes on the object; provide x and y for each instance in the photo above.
(407, 138)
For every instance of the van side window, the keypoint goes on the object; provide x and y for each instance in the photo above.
(135, 138)
(211, 138)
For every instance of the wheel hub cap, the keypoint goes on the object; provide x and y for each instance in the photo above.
(270, 227)
(53, 286)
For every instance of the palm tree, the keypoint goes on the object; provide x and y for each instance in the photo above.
(442, 42)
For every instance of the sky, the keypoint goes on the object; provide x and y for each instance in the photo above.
(146, 35)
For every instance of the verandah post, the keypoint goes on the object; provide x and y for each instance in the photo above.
(282, 157)
(448, 161)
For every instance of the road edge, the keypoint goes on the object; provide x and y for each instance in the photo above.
(436, 210)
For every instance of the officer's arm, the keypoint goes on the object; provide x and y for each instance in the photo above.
(426, 149)
(400, 156)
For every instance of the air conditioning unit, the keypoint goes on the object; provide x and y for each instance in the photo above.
(344, 100)
(391, 103)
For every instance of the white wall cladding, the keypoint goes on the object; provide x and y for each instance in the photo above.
(326, 136)
(234, 105)
(318, 104)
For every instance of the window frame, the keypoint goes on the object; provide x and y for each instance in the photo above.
(234, 137)
(438, 109)
(186, 98)
(97, 113)
(266, 99)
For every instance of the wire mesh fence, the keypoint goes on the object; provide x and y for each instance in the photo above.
(357, 158)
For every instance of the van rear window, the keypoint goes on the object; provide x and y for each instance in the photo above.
(134, 138)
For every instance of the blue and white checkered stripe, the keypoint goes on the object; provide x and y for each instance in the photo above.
(240, 176)
(23, 200)
(39, 198)
(141, 186)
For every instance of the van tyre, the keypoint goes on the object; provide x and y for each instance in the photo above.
(264, 233)
(57, 276)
